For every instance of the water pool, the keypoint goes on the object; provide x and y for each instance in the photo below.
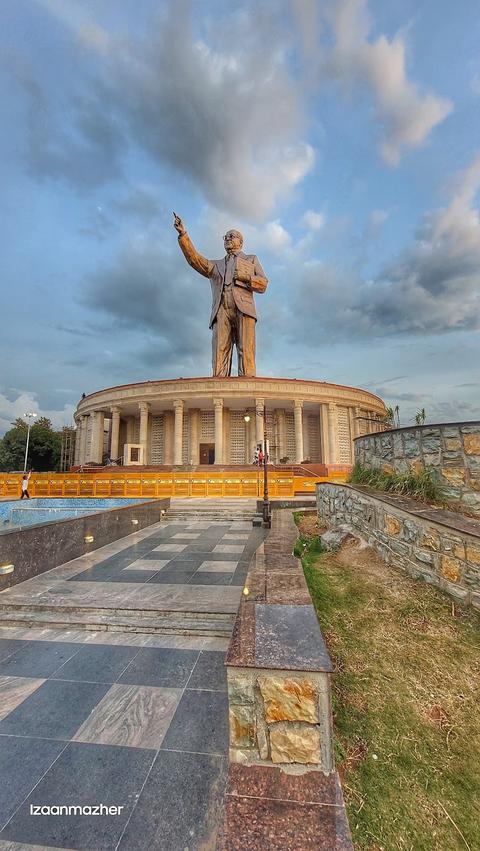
(16, 514)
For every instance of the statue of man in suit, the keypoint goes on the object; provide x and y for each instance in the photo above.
(233, 279)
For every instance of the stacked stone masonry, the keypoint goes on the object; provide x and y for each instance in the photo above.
(278, 667)
(451, 451)
(438, 546)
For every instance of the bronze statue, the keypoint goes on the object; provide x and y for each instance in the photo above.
(233, 279)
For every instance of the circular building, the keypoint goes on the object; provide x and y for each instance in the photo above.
(193, 421)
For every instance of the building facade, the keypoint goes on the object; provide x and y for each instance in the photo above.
(221, 421)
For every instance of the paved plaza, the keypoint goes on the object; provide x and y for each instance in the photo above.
(134, 720)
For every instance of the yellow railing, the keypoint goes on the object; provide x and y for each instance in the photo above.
(122, 484)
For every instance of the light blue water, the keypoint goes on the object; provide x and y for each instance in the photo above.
(15, 514)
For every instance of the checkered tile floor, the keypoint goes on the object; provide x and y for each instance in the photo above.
(144, 728)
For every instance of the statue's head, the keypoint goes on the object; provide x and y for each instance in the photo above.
(233, 240)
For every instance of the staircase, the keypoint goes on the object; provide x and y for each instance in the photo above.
(160, 622)
(215, 510)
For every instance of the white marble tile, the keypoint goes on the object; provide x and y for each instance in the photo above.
(217, 566)
(186, 535)
(170, 548)
(131, 716)
(13, 691)
(147, 564)
(229, 548)
(239, 536)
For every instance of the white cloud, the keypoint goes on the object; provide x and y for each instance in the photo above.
(223, 111)
(10, 410)
(313, 220)
(475, 84)
(405, 113)
(431, 287)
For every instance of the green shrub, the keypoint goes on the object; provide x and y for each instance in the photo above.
(418, 485)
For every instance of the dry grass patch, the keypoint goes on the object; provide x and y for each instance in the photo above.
(406, 700)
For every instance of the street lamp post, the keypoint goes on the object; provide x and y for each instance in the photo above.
(31, 416)
(266, 516)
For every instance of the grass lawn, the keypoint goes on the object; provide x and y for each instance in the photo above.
(406, 700)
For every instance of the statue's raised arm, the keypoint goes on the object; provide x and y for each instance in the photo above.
(233, 279)
(192, 256)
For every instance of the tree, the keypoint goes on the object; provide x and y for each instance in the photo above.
(420, 417)
(43, 449)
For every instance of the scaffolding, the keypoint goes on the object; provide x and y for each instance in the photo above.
(67, 451)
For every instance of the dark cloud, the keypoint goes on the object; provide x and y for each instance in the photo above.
(222, 110)
(141, 204)
(150, 290)
(434, 286)
(82, 144)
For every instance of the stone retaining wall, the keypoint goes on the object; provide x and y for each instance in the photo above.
(451, 451)
(278, 667)
(438, 545)
(282, 789)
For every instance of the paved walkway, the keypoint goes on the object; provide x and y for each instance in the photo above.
(130, 720)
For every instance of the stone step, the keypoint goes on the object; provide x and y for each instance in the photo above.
(96, 623)
(97, 611)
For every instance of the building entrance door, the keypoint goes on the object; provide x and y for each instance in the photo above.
(207, 453)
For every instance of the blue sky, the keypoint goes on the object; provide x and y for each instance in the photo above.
(342, 137)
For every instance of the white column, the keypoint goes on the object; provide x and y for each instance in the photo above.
(194, 447)
(178, 432)
(83, 439)
(297, 413)
(325, 443)
(115, 431)
(333, 433)
(218, 405)
(78, 423)
(144, 409)
(96, 451)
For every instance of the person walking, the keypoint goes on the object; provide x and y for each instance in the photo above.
(25, 481)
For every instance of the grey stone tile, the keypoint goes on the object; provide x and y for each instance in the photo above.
(175, 576)
(84, 774)
(99, 663)
(54, 711)
(180, 806)
(13, 691)
(160, 666)
(23, 761)
(131, 716)
(200, 724)
(37, 659)
(8, 646)
(205, 546)
(209, 672)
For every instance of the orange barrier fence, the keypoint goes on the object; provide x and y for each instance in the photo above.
(160, 485)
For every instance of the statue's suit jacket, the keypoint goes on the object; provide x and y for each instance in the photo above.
(215, 271)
